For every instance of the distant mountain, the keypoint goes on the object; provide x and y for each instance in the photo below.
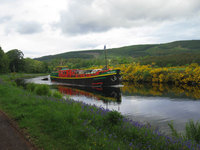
(151, 50)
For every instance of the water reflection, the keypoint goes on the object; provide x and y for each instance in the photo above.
(105, 94)
(162, 90)
(160, 104)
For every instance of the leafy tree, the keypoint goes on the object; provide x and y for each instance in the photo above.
(16, 60)
(35, 66)
(3, 62)
(29, 66)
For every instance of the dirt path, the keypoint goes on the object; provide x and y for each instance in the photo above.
(10, 136)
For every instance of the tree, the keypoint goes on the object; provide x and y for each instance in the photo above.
(16, 60)
(35, 66)
(3, 62)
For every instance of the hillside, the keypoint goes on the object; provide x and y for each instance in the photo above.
(77, 54)
(168, 50)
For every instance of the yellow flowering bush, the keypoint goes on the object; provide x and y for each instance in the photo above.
(148, 73)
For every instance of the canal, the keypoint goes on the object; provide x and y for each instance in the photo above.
(156, 104)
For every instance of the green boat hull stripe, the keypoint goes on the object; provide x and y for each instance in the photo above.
(99, 78)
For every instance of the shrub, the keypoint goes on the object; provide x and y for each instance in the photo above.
(173, 130)
(13, 83)
(147, 76)
(193, 131)
(42, 90)
(113, 118)
(30, 87)
(57, 94)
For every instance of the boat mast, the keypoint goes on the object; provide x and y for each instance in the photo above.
(105, 57)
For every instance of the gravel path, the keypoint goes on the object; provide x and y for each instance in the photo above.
(10, 136)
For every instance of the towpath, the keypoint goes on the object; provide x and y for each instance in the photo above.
(11, 138)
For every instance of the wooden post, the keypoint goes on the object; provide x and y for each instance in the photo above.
(105, 57)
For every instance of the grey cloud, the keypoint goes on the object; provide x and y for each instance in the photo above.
(182, 30)
(5, 19)
(82, 26)
(98, 16)
(23, 27)
(28, 27)
(6, 1)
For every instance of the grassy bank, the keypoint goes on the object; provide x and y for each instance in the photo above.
(13, 76)
(53, 123)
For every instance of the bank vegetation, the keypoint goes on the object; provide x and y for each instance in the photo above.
(56, 123)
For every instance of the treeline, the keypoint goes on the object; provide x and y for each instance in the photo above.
(170, 60)
(74, 63)
(14, 61)
(173, 60)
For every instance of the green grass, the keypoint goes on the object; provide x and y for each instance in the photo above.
(54, 123)
(192, 131)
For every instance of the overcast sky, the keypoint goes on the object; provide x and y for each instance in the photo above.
(45, 27)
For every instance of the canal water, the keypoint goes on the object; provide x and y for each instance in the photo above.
(156, 104)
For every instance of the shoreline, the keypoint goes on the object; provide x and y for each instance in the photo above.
(50, 120)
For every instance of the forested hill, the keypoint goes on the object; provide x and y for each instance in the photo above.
(177, 48)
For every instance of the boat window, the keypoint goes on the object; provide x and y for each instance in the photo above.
(81, 72)
(95, 70)
(88, 72)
